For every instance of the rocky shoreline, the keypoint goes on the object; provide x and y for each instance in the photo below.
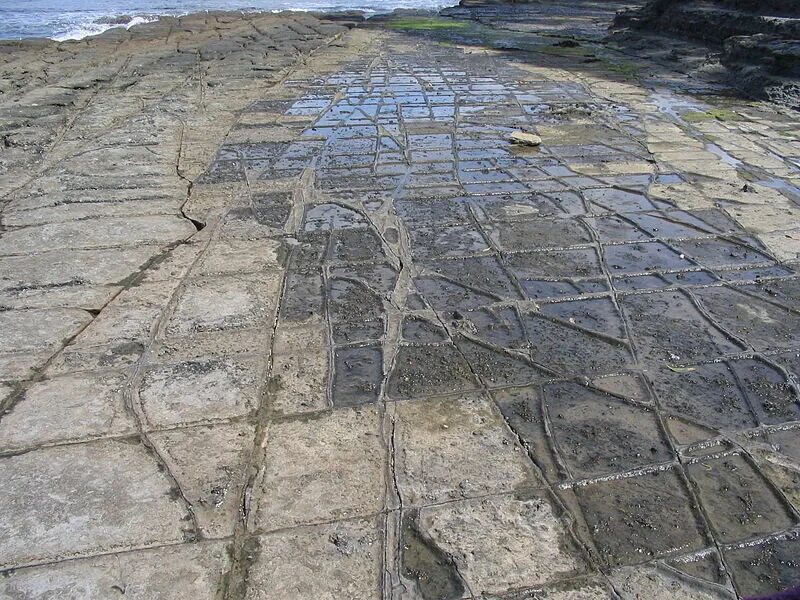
(757, 43)
(484, 304)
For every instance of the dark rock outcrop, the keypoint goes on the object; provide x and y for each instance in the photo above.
(758, 41)
(778, 56)
(714, 22)
(469, 3)
(765, 65)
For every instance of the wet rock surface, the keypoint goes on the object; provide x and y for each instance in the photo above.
(316, 327)
(758, 42)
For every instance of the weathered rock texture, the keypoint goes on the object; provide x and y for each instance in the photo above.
(759, 41)
(287, 316)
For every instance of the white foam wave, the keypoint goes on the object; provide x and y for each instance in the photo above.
(85, 30)
(139, 21)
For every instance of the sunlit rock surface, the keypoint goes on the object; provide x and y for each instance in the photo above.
(287, 315)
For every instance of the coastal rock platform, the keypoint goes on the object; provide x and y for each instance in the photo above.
(287, 315)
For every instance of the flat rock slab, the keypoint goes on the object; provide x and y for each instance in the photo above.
(30, 330)
(312, 325)
(127, 502)
(209, 463)
(220, 303)
(637, 582)
(322, 561)
(103, 233)
(145, 575)
(648, 515)
(51, 268)
(321, 468)
(449, 449)
(68, 408)
(200, 390)
(502, 542)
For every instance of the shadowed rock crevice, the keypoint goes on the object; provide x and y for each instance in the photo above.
(426, 567)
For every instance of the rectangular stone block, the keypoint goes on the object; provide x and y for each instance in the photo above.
(501, 543)
(202, 390)
(338, 560)
(300, 370)
(69, 408)
(170, 573)
(448, 449)
(321, 468)
(225, 302)
(69, 501)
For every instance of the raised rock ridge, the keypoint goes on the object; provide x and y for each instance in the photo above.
(759, 41)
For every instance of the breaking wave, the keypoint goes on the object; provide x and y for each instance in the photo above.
(97, 27)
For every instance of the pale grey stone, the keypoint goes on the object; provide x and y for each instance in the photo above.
(454, 448)
(201, 390)
(324, 562)
(331, 466)
(69, 408)
(26, 330)
(170, 573)
(501, 542)
(210, 465)
(101, 232)
(226, 302)
(91, 498)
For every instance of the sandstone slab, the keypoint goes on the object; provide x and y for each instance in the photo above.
(322, 561)
(502, 543)
(448, 449)
(316, 469)
(69, 408)
(170, 573)
(85, 499)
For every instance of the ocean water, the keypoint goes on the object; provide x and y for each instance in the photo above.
(76, 19)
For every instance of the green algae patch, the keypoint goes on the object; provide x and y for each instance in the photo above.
(427, 24)
(452, 31)
(592, 55)
(569, 51)
(720, 114)
(626, 69)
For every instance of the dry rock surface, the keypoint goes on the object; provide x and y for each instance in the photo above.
(286, 314)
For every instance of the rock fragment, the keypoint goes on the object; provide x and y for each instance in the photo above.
(523, 138)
